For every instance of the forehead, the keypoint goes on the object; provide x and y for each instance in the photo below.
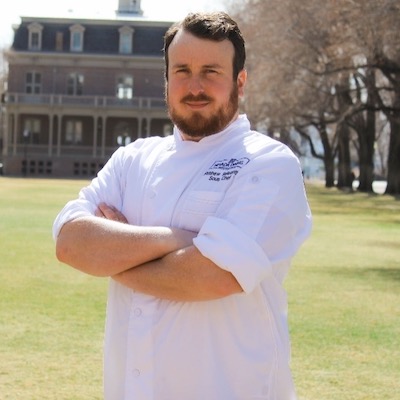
(188, 49)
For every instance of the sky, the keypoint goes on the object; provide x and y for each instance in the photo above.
(170, 10)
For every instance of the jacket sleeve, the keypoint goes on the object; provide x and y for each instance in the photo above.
(106, 187)
(261, 222)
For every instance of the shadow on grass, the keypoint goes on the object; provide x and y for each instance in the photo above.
(333, 201)
(391, 274)
(385, 244)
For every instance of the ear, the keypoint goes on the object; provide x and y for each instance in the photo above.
(241, 82)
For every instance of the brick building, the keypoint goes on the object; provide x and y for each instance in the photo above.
(80, 87)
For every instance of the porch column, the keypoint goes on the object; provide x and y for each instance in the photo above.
(148, 126)
(103, 136)
(6, 133)
(59, 124)
(95, 129)
(51, 127)
(15, 133)
(140, 127)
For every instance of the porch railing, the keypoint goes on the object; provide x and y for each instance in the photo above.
(85, 101)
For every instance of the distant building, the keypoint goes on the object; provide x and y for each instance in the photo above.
(80, 87)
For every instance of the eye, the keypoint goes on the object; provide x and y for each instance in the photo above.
(182, 71)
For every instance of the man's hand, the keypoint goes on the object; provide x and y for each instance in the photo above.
(109, 212)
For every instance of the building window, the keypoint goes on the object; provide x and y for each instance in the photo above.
(167, 129)
(123, 140)
(77, 37)
(59, 41)
(75, 84)
(33, 83)
(31, 132)
(73, 132)
(34, 41)
(76, 41)
(35, 36)
(125, 40)
(125, 87)
(123, 133)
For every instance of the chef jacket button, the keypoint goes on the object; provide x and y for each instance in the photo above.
(255, 179)
(136, 372)
(137, 312)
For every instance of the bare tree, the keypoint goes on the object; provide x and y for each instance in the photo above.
(3, 81)
(333, 66)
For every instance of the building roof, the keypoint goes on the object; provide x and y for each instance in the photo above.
(101, 32)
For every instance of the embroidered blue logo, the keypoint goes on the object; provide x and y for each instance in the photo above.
(230, 164)
(224, 170)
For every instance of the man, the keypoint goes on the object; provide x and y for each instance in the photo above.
(196, 231)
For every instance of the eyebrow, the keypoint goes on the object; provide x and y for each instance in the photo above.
(179, 66)
(214, 66)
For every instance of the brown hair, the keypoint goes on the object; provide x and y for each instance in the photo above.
(216, 26)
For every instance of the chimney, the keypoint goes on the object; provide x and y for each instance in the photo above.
(129, 7)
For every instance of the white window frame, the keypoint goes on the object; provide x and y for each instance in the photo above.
(74, 132)
(124, 87)
(75, 84)
(32, 128)
(35, 36)
(34, 86)
(167, 129)
(76, 38)
(125, 39)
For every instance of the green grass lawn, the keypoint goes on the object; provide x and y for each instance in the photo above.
(344, 291)
(344, 300)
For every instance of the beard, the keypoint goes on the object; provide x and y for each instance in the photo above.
(196, 125)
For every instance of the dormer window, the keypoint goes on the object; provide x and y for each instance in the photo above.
(35, 36)
(59, 41)
(125, 40)
(76, 38)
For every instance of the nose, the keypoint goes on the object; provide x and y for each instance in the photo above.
(196, 85)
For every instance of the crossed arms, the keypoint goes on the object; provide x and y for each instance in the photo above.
(158, 261)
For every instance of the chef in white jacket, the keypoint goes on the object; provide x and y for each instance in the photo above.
(196, 232)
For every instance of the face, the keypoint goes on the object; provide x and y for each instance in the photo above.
(202, 96)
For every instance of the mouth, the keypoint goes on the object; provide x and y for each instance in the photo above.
(197, 105)
(196, 102)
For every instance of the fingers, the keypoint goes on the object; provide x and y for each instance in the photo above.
(98, 212)
(106, 211)
(110, 212)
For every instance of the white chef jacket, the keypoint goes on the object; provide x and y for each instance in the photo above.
(243, 192)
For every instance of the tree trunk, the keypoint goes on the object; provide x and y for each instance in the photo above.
(345, 179)
(329, 157)
(366, 155)
(329, 171)
(366, 139)
(393, 178)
